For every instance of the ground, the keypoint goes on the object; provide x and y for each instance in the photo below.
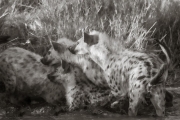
(42, 112)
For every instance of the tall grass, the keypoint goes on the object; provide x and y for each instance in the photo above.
(135, 24)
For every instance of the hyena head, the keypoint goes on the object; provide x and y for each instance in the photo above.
(63, 74)
(156, 90)
(94, 44)
(80, 47)
(85, 43)
(67, 71)
(54, 54)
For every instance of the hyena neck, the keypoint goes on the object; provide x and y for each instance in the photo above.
(70, 88)
(70, 85)
(70, 94)
(68, 81)
(101, 58)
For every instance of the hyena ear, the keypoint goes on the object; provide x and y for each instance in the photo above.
(58, 47)
(65, 66)
(91, 39)
(4, 39)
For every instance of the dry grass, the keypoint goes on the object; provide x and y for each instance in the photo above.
(135, 24)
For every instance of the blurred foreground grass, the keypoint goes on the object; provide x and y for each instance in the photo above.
(134, 23)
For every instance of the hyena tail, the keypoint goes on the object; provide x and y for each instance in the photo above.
(157, 79)
(166, 51)
(164, 67)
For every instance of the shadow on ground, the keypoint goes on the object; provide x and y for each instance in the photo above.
(43, 112)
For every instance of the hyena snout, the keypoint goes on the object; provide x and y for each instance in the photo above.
(51, 77)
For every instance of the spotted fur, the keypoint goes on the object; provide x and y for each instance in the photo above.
(131, 73)
(79, 93)
(25, 76)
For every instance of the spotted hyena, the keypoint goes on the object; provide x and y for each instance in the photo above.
(131, 73)
(79, 93)
(25, 76)
(92, 70)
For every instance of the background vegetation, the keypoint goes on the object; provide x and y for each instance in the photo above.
(135, 24)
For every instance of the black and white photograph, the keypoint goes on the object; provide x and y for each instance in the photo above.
(89, 59)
